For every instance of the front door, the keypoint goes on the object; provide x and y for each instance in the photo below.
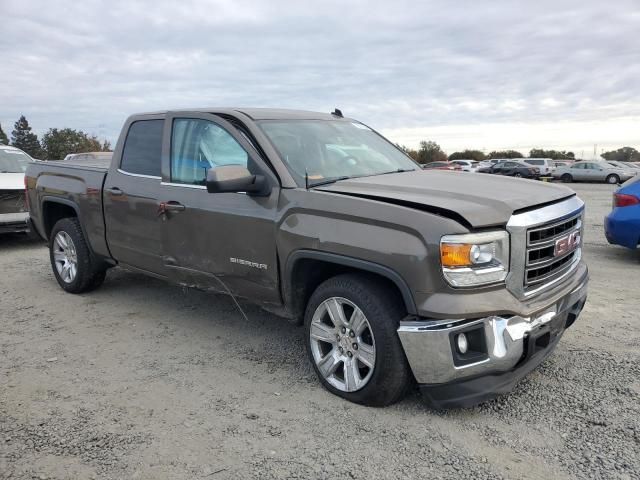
(222, 241)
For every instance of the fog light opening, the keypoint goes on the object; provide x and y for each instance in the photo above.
(462, 343)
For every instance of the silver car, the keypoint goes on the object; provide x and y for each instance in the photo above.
(592, 172)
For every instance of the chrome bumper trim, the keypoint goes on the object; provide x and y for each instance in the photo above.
(428, 347)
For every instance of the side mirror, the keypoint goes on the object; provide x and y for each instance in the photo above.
(233, 179)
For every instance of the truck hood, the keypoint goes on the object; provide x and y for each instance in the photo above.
(11, 181)
(482, 200)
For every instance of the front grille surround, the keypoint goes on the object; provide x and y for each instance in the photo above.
(541, 263)
(534, 267)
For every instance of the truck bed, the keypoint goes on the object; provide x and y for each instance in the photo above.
(77, 184)
(92, 164)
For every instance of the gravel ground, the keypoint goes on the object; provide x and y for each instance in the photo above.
(141, 379)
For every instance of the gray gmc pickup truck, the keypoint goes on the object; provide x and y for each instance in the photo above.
(460, 283)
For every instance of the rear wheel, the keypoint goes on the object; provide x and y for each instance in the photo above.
(517, 174)
(351, 324)
(613, 179)
(566, 178)
(74, 267)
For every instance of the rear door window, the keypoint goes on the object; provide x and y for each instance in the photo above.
(143, 148)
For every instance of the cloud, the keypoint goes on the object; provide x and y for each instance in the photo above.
(471, 69)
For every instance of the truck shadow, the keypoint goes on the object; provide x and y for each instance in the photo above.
(20, 241)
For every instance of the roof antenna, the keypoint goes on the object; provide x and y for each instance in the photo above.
(306, 179)
(337, 112)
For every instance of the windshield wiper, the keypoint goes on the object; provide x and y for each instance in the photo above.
(399, 170)
(328, 181)
(345, 177)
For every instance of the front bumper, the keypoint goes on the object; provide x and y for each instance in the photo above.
(14, 222)
(502, 349)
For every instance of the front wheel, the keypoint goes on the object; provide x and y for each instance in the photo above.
(351, 324)
(613, 179)
(74, 267)
(517, 175)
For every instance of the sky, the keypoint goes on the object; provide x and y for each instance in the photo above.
(467, 74)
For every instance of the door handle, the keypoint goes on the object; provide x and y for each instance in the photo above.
(170, 206)
(115, 191)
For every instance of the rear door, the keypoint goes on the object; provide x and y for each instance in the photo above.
(131, 196)
(216, 240)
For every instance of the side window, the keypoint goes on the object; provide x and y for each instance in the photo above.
(578, 165)
(198, 145)
(143, 148)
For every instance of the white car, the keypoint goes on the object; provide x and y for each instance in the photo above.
(546, 165)
(467, 165)
(14, 215)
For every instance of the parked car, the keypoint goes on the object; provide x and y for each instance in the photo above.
(586, 171)
(634, 165)
(14, 215)
(89, 157)
(545, 165)
(463, 283)
(442, 166)
(467, 165)
(563, 163)
(622, 165)
(512, 168)
(622, 225)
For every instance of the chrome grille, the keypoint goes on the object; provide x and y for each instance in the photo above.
(542, 263)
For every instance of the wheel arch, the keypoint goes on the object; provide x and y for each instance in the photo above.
(54, 209)
(306, 269)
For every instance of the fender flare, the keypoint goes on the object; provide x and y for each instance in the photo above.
(68, 203)
(346, 261)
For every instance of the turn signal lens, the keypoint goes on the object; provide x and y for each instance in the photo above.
(455, 255)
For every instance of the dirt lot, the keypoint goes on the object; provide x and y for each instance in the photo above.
(141, 379)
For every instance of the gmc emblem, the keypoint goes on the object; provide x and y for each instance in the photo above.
(566, 244)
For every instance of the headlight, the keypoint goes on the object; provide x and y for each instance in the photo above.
(475, 259)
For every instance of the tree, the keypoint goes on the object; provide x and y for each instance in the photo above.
(23, 138)
(430, 152)
(409, 151)
(3, 137)
(505, 154)
(58, 143)
(552, 154)
(468, 155)
(624, 154)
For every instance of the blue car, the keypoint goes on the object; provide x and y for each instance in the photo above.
(622, 225)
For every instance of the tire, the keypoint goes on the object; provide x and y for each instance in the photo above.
(566, 178)
(387, 380)
(613, 179)
(68, 248)
(517, 175)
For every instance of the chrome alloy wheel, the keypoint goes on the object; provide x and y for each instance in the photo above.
(65, 257)
(342, 344)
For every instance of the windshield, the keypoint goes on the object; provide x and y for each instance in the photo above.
(13, 161)
(333, 149)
